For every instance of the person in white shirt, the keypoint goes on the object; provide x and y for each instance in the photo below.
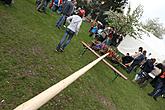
(140, 50)
(75, 22)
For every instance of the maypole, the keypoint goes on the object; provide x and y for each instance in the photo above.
(42, 98)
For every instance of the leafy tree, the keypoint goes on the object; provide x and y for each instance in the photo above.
(155, 27)
(96, 8)
(90, 8)
(127, 24)
(114, 5)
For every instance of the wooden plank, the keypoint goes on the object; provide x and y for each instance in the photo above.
(122, 65)
(113, 68)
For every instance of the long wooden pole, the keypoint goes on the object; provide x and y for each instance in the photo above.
(42, 98)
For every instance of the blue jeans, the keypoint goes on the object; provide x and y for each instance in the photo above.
(132, 66)
(61, 20)
(65, 41)
(42, 5)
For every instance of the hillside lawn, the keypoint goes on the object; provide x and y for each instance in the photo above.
(29, 65)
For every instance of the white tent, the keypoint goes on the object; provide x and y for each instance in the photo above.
(150, 43)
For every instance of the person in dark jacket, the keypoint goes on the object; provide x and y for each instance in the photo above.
(68, 8)
(160, 87)
(137, 61)
(127, 59)
(162, 68)
(146, 68)
(114, 38)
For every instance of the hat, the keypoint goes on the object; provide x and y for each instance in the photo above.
(81, 12)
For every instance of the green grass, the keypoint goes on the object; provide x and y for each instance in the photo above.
(29, 65)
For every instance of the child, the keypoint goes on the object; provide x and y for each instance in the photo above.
(73, 28)
(56, 5)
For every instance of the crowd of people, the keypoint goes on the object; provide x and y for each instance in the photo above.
(106, 34)
(67, 9)
(150, 71)
(105, 39)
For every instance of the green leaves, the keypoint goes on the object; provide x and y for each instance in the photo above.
(128, 24)
(155, 27)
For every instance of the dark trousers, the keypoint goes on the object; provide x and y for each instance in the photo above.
(132, 66)
(61, 21)
(159, 89)
(65, 39)
(7, 1)
(42, 5)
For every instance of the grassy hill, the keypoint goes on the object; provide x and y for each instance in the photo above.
(29, 65)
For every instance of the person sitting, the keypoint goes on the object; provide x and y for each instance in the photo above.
(127, 59)
(146, 68)
(114, 39)
(93, 31)
(153, 74)
(140, 50)
(94, 23)
(161, 68)
(137, 61)
(112, 53)
(159, 88)
(119, 39)
(103, 49)
(157, 70)
(96, 46)
(101, 37)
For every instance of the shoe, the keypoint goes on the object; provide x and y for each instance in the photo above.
(58, 27)
(149, 94)
(61, 49)
(39, 10)
(163, 96)
(155, 98)
(56, 50)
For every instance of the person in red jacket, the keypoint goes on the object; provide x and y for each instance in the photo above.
(51, 4)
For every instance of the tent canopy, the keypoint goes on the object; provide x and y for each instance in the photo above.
(150, 43)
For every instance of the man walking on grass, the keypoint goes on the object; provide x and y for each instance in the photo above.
(68, 8)
(75, 22)
(42, 5)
